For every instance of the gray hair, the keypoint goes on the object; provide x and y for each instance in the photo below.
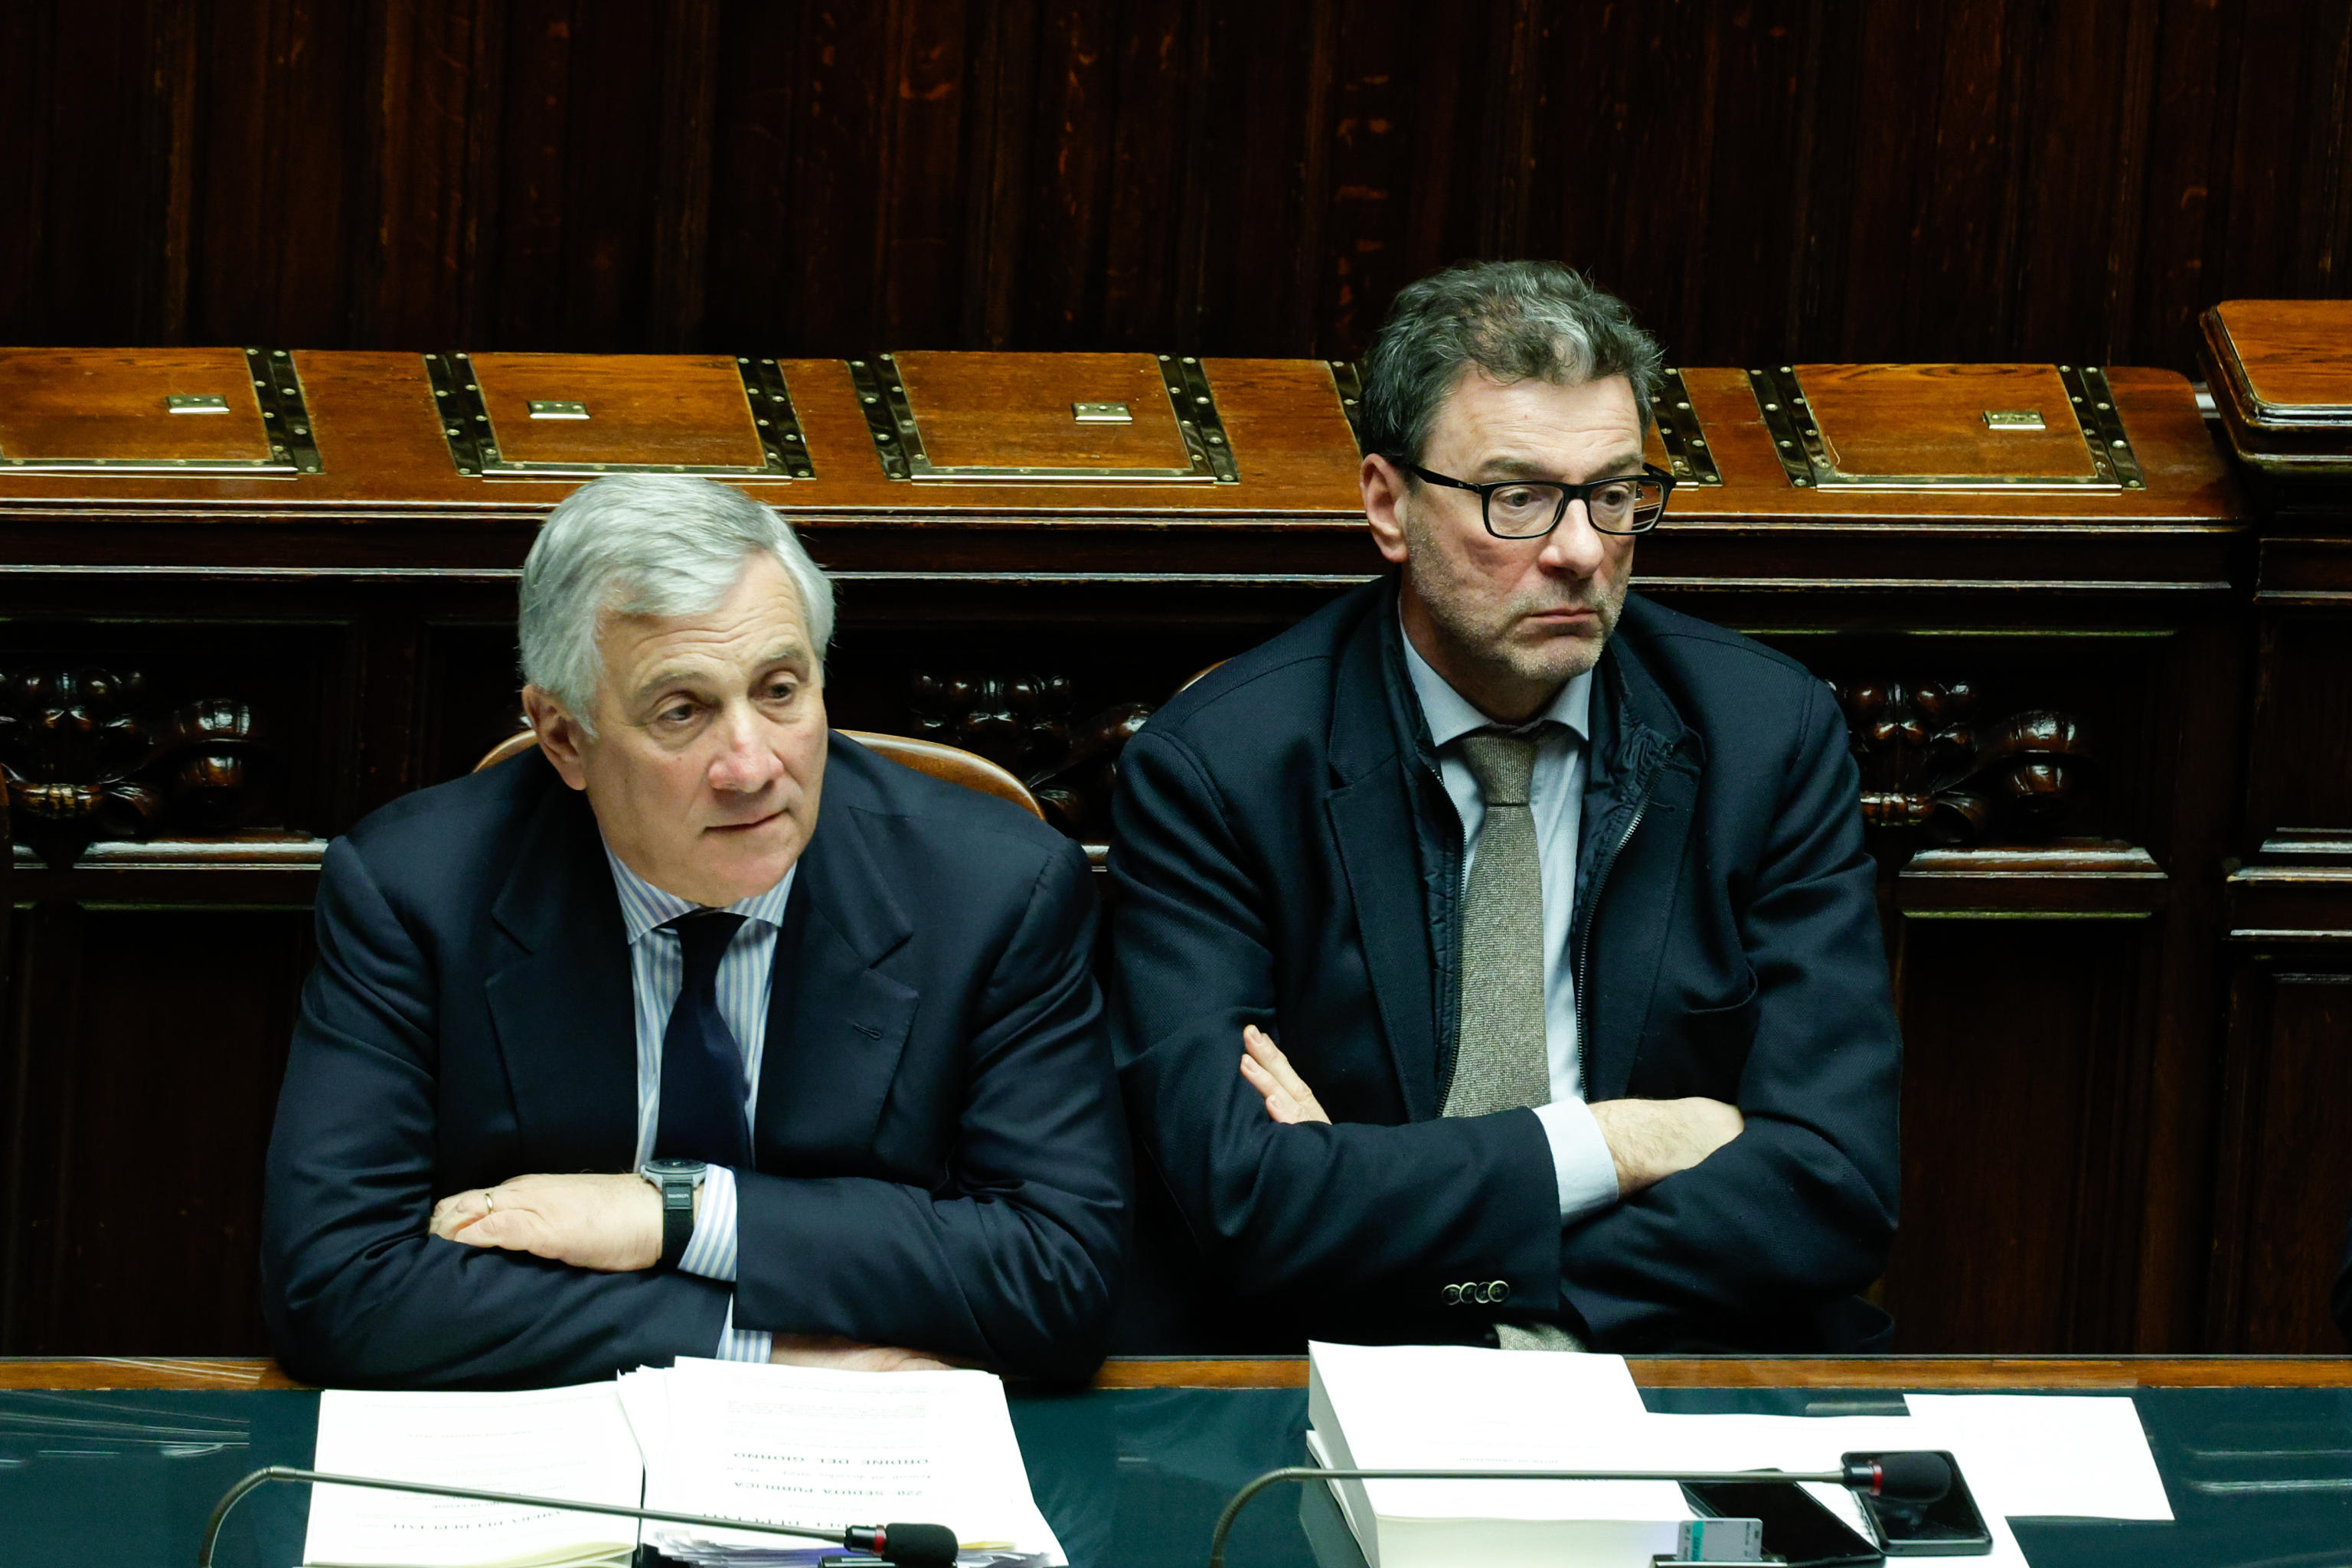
(646, 544)
(1518, 321)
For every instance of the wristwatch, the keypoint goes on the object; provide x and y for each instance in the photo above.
(676, 1181)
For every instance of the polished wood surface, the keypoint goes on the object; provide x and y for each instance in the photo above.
(684, 409)
(1013, 410)
(112, 405)
(1971, 181)
(1930, 419)
(1290, 1371)
(2293, 356)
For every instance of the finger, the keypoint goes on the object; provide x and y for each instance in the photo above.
(456, 1212)
(1278, 1103)
(1284, 1076)
(1263, 1051)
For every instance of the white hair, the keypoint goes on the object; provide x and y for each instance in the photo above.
(646, 544)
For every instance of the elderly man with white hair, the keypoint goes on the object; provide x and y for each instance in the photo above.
(623, 1051)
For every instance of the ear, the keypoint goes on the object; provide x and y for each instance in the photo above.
(1384, 490)
(560, 737)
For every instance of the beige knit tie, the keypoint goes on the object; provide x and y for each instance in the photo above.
(1501, 1060)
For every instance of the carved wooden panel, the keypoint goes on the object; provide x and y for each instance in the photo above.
(168, 726)
(2303, 744)
(2019, 1208)
(2285, 1190)
(91, 753)
(148, 1055)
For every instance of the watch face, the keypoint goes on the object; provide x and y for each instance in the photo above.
(676, 1167)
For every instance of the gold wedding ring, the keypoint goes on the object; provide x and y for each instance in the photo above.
(489, 1204)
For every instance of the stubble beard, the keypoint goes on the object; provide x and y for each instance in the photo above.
(1489, 637)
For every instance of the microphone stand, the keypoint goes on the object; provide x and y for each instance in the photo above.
(920, 1552)
(1860, 1477)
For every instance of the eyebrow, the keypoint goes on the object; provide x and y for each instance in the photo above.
(1624, 464)
(663, 681)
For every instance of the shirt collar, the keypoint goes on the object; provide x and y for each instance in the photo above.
(1451, 715)
(645, 906)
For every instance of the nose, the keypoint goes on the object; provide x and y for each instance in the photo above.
(746, 763)
(1576, 548)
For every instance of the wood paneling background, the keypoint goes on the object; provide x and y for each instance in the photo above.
(2055, 179)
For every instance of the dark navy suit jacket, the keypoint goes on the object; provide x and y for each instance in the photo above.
(1284, 854)
(941, 1159)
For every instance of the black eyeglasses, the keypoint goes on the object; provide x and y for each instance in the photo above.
(1530, 509)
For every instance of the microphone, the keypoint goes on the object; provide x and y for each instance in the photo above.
(907, 1545)
(1914, 1479)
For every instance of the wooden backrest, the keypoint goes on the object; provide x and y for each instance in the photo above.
(956, 767)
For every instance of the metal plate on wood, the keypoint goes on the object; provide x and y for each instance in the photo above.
(1681, 437)
(127, 412)
(1012, 405)
(645, 404)
(1918, 408)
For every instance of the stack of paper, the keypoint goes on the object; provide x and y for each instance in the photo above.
(570, 1442)
(2023, 1455)
(1452, 1408)
(778, 1445)
(803, 1446)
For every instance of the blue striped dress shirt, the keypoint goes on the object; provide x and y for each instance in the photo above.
(745, 974)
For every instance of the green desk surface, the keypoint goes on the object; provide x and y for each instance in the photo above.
(1134, 1478)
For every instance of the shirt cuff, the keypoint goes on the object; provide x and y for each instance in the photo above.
(710, 1251)
(742, 1344)
(1581, 1160)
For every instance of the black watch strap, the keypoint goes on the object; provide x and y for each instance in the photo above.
(677, 1217)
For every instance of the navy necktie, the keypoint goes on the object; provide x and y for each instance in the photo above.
(702, 1090)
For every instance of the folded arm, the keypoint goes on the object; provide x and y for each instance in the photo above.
(1013, 1261)
(1798, 1209)
(1305, 1205)
(357, 1288)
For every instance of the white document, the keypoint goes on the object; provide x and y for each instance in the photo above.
(829, 1450)
(1456, 1407)
(570, 1442)
(2049, 1454)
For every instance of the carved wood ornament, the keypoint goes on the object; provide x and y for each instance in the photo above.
(1023, 722)
(87, 757)
(1931, 773)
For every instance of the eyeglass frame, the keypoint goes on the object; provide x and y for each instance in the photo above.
(1568, 492)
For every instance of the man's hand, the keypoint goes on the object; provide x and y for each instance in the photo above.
(848, 1356)
(612, 1224)
(1652, 1139)
(1265, 1069)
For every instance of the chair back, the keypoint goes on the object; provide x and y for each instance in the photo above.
(949, 762)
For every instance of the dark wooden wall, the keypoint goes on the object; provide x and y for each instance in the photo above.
(2048, 179)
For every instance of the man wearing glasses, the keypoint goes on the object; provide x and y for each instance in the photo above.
(1495, 954)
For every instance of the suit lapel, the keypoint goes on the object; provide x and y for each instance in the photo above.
(1634, 926)
(837, 1025)
(563, 1009)
(1374, 829)
(1371, 817)
(1637, 819)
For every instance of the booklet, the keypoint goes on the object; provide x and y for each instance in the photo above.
(776, 1444)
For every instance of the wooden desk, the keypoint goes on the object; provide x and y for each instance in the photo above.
(1290, 1371)
(2065, 956)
